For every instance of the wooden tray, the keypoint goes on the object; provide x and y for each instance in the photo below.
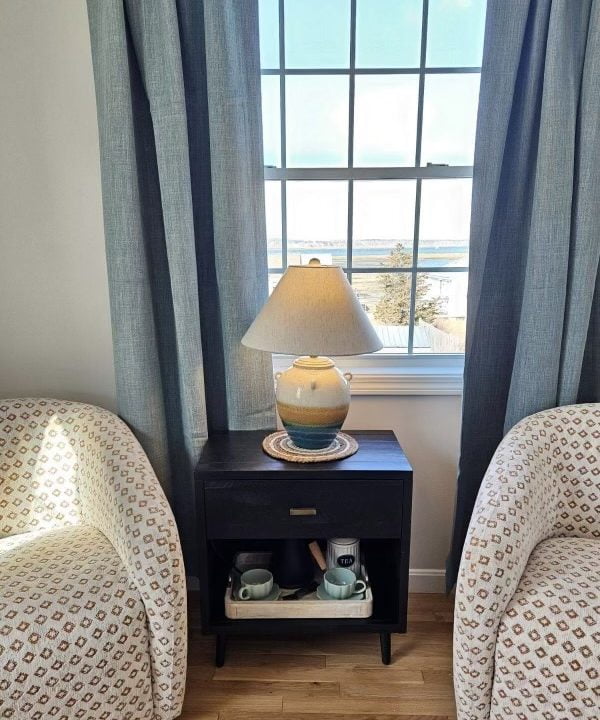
(307, 607)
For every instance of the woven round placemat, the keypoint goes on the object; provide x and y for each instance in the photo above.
(279, 445)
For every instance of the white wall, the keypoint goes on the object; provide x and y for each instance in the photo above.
(54, 320)
(428, 429)
(54, 317)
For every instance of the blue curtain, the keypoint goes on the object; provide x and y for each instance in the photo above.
(533, 328)
(178, 96)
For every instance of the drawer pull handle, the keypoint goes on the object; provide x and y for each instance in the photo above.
(302, 512)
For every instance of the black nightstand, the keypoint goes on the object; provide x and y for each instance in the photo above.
(244, 501)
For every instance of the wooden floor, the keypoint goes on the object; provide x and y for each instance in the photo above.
(332, 677)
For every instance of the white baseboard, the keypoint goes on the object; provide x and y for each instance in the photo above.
(429, 580)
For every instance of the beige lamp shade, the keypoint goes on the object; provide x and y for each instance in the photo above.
(313, 311)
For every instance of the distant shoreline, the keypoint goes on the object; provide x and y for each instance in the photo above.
(429, 255)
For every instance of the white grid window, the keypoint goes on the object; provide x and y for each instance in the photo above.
(369, 110)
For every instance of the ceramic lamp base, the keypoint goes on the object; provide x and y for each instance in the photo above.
(313, 398)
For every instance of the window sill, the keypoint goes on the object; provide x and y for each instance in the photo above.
(388, 374)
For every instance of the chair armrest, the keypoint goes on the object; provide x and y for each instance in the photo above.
(121, 496)
(515, 510)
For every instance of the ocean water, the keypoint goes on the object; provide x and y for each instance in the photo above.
(436, 255)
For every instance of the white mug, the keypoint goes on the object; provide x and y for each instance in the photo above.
(255, 584)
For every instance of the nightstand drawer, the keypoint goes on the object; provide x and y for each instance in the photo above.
(303, 508)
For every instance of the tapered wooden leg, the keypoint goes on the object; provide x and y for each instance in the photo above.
(385, 640)
(220, 647)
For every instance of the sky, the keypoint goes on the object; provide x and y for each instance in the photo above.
(317, 35)
(383, 209)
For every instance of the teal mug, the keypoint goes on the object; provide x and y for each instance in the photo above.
(255, 584)
(341, 583)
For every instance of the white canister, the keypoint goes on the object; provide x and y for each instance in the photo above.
(344, 552)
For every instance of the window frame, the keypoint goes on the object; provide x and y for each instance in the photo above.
(387, 363)
(397, 373)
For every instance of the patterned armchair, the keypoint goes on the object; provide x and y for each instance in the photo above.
(527, 618)
(92, 583)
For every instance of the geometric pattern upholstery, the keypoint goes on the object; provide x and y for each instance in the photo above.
(84, 523)
(547, 661)
(72, 629)
(527, 611)
(37, 473)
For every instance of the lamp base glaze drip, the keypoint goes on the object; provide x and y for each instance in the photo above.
(313, 398)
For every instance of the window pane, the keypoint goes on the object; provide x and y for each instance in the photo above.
(388, 33)
(383, 223)
(268, 26)
(386, 300)
(440, 312)
(317, 120)
(270, 120)
(449, 118)
(273, 213)
(445, 221)
(317, 33)
(317, 217)
(455, 33)
(385, 120)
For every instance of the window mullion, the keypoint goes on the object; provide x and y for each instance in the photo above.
(413, 289)
(421, 84)
(468, 69)
(413, 279)
(284, 253)
(350, 223)
(370, 173)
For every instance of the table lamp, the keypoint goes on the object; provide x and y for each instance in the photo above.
(313, 312)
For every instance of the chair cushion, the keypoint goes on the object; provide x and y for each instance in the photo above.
(548, 649)
(73, 633)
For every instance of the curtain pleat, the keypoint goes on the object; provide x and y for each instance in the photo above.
(178, 96)
(535, 230)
